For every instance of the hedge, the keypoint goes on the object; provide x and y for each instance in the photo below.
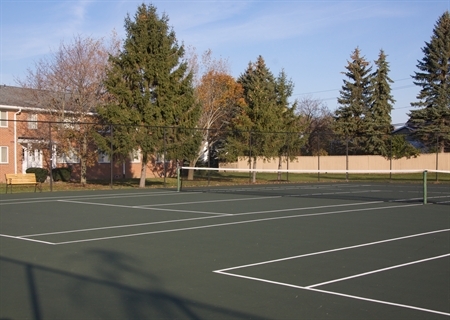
(41, 173)
(62, 174)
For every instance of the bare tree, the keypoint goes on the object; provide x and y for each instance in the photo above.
(69, 85)
(315, 121)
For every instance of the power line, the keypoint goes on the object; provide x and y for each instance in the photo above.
(330, 90)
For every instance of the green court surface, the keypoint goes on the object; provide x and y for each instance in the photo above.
(313, 251)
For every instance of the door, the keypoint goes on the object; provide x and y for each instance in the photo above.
(32, 158)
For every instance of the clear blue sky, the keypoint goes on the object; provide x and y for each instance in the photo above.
(310, 40)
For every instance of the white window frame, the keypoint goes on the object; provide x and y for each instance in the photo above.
(160, 158)
(69, 158)
(4, 156)
(32, 121)
(135, 156)
(103, 157)
(3, 119)
(69, 123)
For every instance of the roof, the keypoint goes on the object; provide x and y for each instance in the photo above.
(406, 129)
(18, 97)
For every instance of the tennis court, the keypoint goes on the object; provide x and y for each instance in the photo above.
(307, 251)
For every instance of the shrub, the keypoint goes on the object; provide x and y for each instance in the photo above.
(41, 173)
(62, 174)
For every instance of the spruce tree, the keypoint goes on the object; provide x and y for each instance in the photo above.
(354, 101)
(150, 89)
(432, 118)
(256, 125)
(378, 119)
(288, 137)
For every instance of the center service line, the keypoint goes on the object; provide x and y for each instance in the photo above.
(231, 223)
(192, 219)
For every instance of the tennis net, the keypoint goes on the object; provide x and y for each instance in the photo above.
(426, 186)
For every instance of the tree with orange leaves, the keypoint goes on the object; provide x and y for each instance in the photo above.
(219, 96)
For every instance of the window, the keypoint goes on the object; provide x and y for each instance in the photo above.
(69, 157)
(69, 123)
(160, 158)
(135, 156)
(3, 154)
(32, 121)
(3, 118)
(103, 157)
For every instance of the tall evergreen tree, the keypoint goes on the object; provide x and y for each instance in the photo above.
(150, 88)
(259, 119)
(378, 119)
(432, 119)
(354, 101)
(289, 141)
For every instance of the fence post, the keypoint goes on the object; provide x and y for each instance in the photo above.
(288, 141)
(178, 177)
(111, 157)
(50, 147)
(437, 156)
(164, 156)
(250, 157)
(390, 157)
(425, 187)
(318, 156)
(208, 155)
(346, 160)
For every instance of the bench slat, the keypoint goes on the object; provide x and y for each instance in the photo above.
(21, 179)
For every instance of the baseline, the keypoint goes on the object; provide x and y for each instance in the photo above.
(92, 197)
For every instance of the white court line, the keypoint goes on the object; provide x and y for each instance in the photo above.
(142, 207)
(118, 195)
(382, 302)
(207, 201)
(229, 223)
(186, 211)
(307, 208)
(337, 249)
(333, 193)
(192, 219)
(20, 238)
(311, 288)
(378, 270)
(335, 293)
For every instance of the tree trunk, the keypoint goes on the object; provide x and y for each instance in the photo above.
(190, 176)
(279, 168)
(254, 172)
(143, 171)
(83, 165)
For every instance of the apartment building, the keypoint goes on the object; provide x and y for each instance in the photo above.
(28, 140)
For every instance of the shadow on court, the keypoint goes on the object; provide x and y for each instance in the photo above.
(115, 289)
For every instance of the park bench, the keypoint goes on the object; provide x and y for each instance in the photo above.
(21, 179)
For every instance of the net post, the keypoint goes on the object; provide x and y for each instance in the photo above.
(178, 178)
(425, 187)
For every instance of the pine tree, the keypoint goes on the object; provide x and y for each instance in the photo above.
(355, 98)
(432, 119)
(288, 137)
(260, 119)
(150, 89)
(378, 119)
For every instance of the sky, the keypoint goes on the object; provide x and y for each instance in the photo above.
(310, 40)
